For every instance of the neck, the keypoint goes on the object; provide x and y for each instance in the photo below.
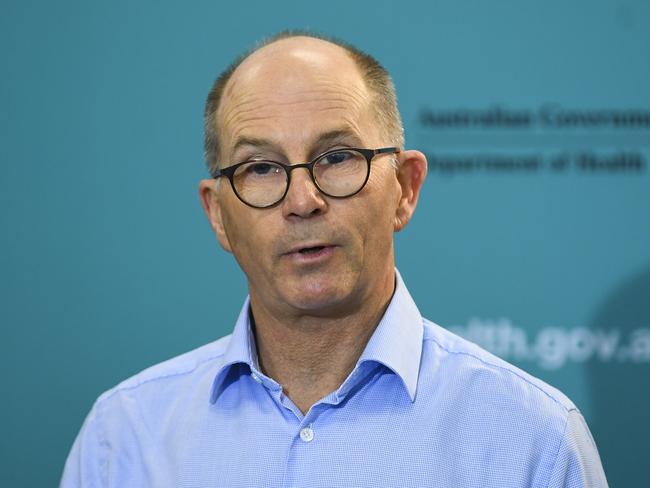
(311, 356)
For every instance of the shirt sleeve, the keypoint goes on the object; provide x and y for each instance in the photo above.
(84, 466)
(577, 464)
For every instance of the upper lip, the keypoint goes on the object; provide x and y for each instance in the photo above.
(299, 247)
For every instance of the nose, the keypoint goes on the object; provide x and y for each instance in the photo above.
(303, 199)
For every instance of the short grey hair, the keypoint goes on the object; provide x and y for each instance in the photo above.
(374, 74)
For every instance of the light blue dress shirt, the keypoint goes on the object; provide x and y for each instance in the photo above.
(422, 408)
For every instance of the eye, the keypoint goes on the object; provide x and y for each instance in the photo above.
(337, 157)
(262, 168)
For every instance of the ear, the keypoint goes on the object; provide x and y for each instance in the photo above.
(208, 193)
(411, 172)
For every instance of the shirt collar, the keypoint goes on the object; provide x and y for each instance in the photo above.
(396, 343)
(397, 340)
(241, 350)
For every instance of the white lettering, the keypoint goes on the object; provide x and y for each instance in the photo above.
(553, 347)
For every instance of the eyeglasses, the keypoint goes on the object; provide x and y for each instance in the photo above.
(339, 173)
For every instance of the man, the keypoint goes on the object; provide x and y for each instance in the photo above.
(331, 377)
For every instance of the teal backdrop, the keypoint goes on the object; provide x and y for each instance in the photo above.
(532, 235)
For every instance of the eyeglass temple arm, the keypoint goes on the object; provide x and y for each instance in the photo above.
(387, 150)
(218, 174)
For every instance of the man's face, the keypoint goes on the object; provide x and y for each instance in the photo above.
(311, 254)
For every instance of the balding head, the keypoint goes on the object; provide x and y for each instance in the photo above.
(292, 61)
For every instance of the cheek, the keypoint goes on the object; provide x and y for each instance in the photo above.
(374, 225)
(385, 193)
(244, 236)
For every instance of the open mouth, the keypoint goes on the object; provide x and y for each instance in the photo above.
(311, 250)
(311, 254)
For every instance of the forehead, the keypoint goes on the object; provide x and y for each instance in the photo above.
(292, 89)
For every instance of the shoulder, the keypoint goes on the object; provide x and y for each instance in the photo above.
(126, 420)
(490, 385)
(474, 359)
(487, 409)
(177, 372)
(505, 411)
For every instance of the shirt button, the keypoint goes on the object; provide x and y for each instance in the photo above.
(256, 377)
(307, 434)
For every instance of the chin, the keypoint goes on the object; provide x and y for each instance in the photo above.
(315, 295)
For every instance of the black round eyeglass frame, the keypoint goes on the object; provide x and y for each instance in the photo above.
(369, 154)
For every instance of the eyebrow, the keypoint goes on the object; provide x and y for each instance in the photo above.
(344, 134)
